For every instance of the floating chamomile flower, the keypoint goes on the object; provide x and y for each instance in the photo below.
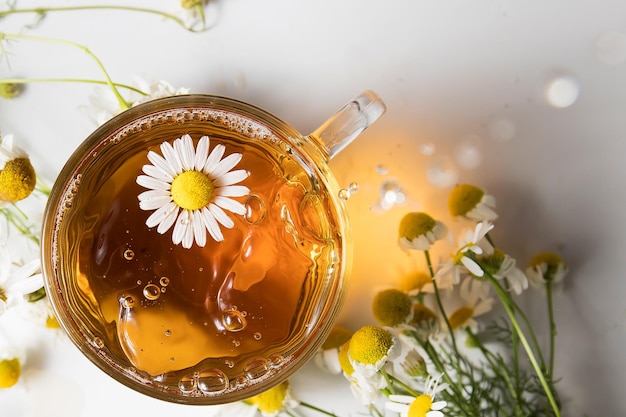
(471, 202)
(274, 400)
(418, 231)
(502, 267)
(423, 405)
(547, 267)
(17, 175)
(190, 189)
(391, 307)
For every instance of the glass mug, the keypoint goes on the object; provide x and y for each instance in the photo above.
(189, 306)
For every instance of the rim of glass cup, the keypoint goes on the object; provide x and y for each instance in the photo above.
(76, 163)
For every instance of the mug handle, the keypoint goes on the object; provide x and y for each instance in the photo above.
(348, 123)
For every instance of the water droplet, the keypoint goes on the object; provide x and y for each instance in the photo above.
(427, 149)
(343, 194)
(168, 332)
(353, 187)
(255, 209)
(151, 292)
(276, 360)
(610, 48)
(257, 336)
(233, 320)
(382, 169)
(138, 282)
(442, 172)
(212, 381)
(187, 384)
(129, 254)
(256, 368)
(172, 359)
(127, 302)
(164, 281)
(501, 129)
(562, 92)
(163, 289)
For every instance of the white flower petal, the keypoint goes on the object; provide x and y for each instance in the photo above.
(214, 157)
(397, 407)
(184, 148)
(157, 172)
(439, 405)
(219, 215)
(199, 229)
(434, 413)
(231, 177)
(232, 191)
(158, 161)
(180, 227)
(168, 220)
(171, 157)
(230, 205)
(150, 194)
(152, 183)
(472, 266)
(404, 399)
(211, 225)
(28, 285)
(202, 153)
(154, 203)
(225, 165)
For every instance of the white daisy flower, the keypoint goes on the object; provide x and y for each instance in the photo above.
(475, 301)
(472, 203)
(15, 284)
(502, 267)
(418, 231)
(423, 405)
(547, 267)
(190, 189)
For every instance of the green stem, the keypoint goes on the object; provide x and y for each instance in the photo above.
(68, 80)
(439, 302)
(552, 328)
(123, 103)
(392, 380)
(177, 20)
(319, 410)
(507, 302)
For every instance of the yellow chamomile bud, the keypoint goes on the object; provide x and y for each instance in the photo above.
(337, 337)
(546, 267)
(370, 345)
(190, 4)
(17, 180)
(471, 202)
(10, 370)
(419, 230)
(391, 307)
(272, 401)
(10, 90)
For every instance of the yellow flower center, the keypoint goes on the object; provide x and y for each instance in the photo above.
(3, 294)
(192, 190)
(492, 263)
(17, 180)
(461, 317)
(420, 406)
(52, 323)
(463, 198)
(344, 359)
(10, 370)
(370, 344)
(415, 224)
(272, 401)
(337, 337)
(391, 307)
(10, 90)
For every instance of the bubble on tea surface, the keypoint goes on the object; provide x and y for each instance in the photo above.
(127, 302)
(151, 292)
(257, 336)
(129, 254)
(187, 384)
(562, 92)
(164, 281)
(212, 381)
(276, 359)
(382, 169)
(255, 209)
(442, 172)
(256, 368)
(234, 320)
(610, 48)
(501, 129)
(98, 342)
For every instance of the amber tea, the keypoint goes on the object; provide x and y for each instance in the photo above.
(210, 318)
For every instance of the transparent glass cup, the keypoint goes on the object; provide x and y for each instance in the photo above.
(204, 323)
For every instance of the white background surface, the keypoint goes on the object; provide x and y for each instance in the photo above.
(452, 74)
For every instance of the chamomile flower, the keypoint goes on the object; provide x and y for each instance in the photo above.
(327, 358)
(11, 360)
(15, 284)
(370, 348)
(17, 175)
(391, 307)
(190, 189)
(418, 231)
(10, 90)
(423, 405)
(475, 301)
(502, 267)
(274, 400)
(471, 202)
(547, 267)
